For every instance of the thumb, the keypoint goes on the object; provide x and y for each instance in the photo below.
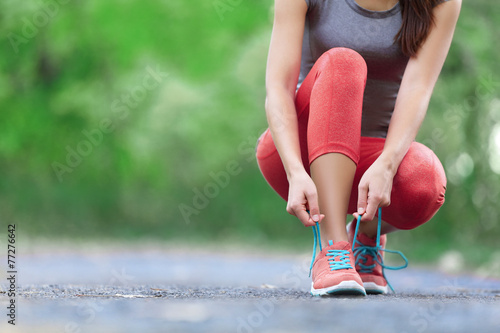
(312, 202)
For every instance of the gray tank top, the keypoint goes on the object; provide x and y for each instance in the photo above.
(343, 23)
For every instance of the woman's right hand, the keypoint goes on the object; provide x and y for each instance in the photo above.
(303, 197)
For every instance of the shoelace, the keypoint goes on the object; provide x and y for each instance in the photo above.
(316, 236)
(343, 259)
(342, 255)
(363, 251)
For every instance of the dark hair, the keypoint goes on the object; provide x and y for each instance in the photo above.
(418, 19)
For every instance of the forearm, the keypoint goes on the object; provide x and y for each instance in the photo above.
(282, 119)
(418, 83)
(409, 113)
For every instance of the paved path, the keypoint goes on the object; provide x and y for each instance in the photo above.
(122, 289)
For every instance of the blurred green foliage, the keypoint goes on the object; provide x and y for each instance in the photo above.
(91, 147)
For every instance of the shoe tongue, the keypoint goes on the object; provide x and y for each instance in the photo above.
(341, 245)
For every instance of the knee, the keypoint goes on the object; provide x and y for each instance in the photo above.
(422, 182)
(425, 200)
(345, 54)
(346, 60)
(420, 204)
(265, 145)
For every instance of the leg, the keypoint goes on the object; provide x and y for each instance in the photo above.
(333, 134)
(333, 174)
(417, 193)
(328, 104)
(369, 228)
(418, 188)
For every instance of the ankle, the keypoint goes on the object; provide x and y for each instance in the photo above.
(370, 234)
(368, 228)
(334, 238)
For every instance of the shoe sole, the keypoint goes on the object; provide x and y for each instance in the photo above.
(343, 288)
(374, 289)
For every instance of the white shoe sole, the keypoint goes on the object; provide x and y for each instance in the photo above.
(373, 288)
(343, 288)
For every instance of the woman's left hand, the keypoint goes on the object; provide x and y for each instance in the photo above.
(374, 189)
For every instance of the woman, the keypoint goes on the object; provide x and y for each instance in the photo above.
(348, 84)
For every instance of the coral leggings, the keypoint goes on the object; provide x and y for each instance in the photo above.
(329, 107)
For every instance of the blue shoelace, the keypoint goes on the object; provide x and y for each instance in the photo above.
(362, 252)
(316, 236)
(342, 255)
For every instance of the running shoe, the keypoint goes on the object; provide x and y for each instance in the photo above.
(333, 271)
(369, 258)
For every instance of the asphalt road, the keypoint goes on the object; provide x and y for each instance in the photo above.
(84, 288)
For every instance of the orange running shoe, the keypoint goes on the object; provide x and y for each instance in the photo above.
(369, 258)
(333, 271)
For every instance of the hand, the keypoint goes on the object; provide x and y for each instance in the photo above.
(303, 196)
(374, 190)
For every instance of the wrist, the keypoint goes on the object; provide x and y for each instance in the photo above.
(294, 172)
(390, 162)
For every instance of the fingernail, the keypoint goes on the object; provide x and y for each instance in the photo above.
(316, 218)
(361, 210)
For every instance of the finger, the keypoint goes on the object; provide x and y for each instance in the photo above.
(305, 218)
(371, 209)
(362, 199)
(358, 217)
(386, 202)
(321, 217)
(312, 202)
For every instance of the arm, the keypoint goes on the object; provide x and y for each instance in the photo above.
(418, 83)
(412, 102)
(283, 67)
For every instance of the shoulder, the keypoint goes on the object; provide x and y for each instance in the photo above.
(438, 2)
(447, 6)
